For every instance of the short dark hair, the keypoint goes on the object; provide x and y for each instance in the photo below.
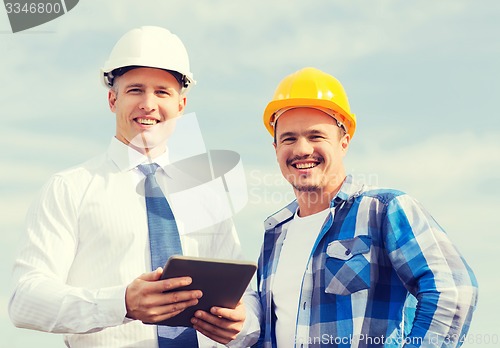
(275, 126)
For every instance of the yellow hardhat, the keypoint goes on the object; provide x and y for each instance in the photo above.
(313, 88)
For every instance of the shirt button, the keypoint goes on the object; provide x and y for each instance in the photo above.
(304, 305)
(348, 251)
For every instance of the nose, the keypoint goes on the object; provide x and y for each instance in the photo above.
(148, 103)
(302, 147)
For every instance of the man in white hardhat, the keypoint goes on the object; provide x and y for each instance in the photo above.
(89, 265)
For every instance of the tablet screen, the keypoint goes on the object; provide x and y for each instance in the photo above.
(222, 282)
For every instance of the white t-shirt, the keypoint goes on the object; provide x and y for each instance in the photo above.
(294, 256)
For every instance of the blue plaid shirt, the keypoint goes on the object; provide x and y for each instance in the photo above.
(382, 273)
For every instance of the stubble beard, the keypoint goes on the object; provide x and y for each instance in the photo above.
(306, 188)
(295, 181)
(310, 194)
(303, 186)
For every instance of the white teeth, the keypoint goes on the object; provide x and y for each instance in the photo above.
(305, 165)
(147, 121)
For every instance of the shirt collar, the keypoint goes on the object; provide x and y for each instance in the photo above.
(348, 189)
(127, 158)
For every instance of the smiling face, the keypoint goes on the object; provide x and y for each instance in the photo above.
(146, 102)
(309, 149)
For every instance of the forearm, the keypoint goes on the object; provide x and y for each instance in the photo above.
(46, 305)
(251, 328)
(443, 319)
(437, 275)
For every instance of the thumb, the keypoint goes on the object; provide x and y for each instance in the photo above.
(152, 276)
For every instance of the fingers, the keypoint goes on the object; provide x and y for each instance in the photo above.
(172, 298)
(204, 323)
(211, 333)
(146, 298)
(173, 283)
(158, 307)
(161, 313)
(151, 276)
(222, 324)
(236, 314)
(165, 284)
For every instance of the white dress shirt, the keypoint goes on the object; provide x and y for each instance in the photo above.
(87, 239)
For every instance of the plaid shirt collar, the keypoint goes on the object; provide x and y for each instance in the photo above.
(348, 190)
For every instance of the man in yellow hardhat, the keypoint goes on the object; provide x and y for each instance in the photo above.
(344, 264)
(99, 233)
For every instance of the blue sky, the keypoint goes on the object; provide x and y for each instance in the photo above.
(423, 78)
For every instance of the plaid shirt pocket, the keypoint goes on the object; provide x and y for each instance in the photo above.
(347, 266)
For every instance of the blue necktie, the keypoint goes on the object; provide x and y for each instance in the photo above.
(164, 242)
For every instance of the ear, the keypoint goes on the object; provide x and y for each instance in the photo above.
(112, 100)
(345, 141)
(182, 103)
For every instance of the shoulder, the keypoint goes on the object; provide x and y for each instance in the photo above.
(358, 192)
(383, 195)
(384, 202)
(396, 207)
(78, 176)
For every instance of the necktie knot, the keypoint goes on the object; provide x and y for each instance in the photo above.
(148, 169)
(151, 187)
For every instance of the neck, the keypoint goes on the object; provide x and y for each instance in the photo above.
(150, 152)
(312, 202)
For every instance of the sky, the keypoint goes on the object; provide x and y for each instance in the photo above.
(422, 77)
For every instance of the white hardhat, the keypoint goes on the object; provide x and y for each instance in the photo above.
(148, 46)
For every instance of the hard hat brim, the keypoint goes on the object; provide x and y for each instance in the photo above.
(349, 120)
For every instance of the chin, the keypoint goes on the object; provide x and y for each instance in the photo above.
(147, 141)
(307, 188)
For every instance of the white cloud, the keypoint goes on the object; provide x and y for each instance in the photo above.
(448, 158)
(32, 154)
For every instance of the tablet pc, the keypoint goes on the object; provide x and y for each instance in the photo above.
(222, 282)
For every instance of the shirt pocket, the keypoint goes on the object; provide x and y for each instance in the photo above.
(347, 265)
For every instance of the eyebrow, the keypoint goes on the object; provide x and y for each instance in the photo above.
(294, 134)
(134, 85)
(141, 85)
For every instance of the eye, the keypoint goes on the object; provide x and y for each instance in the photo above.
(163, 92)
(288, 140)
(134, 91)
(316, 137)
